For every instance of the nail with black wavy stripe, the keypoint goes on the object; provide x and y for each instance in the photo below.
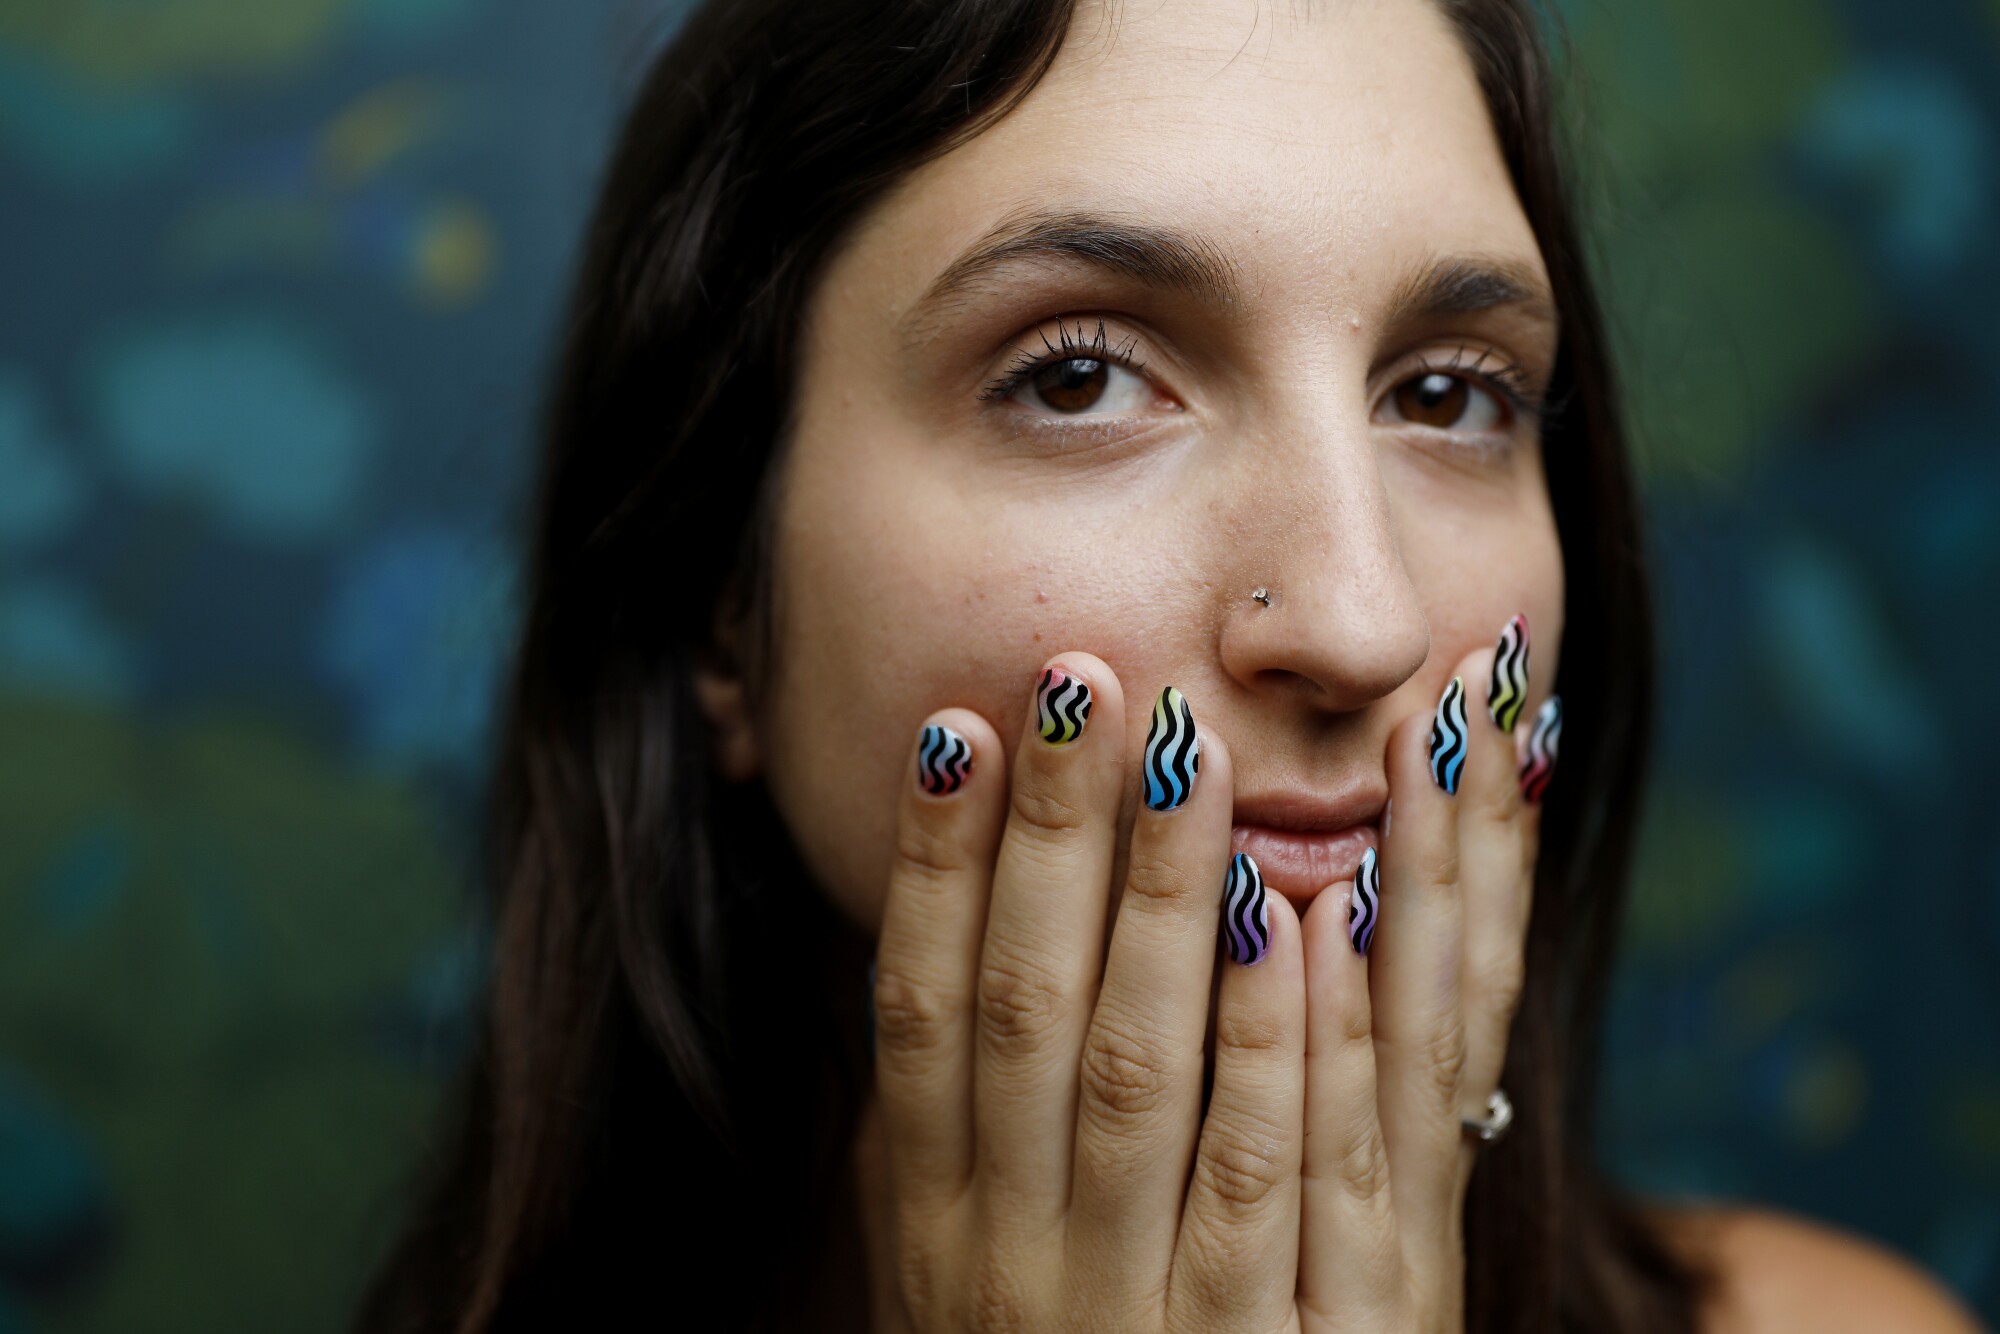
(1508, 689)
(1173, 752)
(1449, 737)
(1538, 765)
(944, 760)
(1062, 706)
(1246, 911)
(1364, 906)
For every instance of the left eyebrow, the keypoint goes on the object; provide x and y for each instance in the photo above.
(1468, 284)
(1189, 264)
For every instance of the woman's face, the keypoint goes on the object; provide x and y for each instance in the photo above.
(1247, 206)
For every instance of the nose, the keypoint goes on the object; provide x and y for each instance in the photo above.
(1345, 625)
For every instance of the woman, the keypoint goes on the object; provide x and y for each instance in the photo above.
(1061, 523)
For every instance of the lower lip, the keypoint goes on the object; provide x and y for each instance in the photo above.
(1299, 865)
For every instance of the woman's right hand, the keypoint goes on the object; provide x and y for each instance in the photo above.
(1047, 1160)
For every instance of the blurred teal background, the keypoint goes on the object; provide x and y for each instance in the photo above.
(277, 283)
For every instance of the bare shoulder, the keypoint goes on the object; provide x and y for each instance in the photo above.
(1783, 1272)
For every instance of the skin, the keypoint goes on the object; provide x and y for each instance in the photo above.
(936, 551)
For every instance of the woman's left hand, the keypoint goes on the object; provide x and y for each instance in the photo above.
(1405, 1040)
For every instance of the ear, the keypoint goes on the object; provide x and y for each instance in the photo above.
(723, 694)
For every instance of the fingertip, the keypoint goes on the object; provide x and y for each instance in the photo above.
(951, 749)
(1507, 674)
(1252, 916)
(1287, 934)
(1448, 737)
(1539, 749)
(1177, 749)
(1076, 699)
(1323, 924)
(1094, 670)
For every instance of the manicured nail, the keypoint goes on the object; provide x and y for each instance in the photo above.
(1448, 736)
(1539, 765)
(1063, 703)
(1173, 752)
(1365, 906)
(1508, 690)
(944, 761)
(1246, 913)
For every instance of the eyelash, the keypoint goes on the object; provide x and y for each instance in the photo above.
(1511, 382)
(1028, 362)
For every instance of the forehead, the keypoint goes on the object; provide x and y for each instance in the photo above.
(1346, 140)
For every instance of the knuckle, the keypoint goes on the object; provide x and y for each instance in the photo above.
(996, 1298)
(1016, 1004)
(1154, 881)
(1443, 1056)
(1441, 869)
(1240, 1169)
(909, 1016)
(1121, 1076)
(1250, 1032)
(1040, 807)
(1357, 1025)
(1507, 800)
(1362, 1168)
(929, 856)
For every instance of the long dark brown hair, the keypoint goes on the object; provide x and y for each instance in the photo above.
(654, 1124)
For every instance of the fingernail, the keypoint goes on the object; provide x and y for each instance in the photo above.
(944, 761)
(1246, 913)
(1062, 702)
(1363, 908)
(1448, 736)
(1173, 752)
(1540, 762)
(1508, 690)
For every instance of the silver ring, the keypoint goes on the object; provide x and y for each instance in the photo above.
(1262, 595)
(1499, 1115)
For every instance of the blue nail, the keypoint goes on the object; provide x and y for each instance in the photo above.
(1173, 752)
(1448, 737)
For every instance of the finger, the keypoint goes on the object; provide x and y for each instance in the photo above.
(875, 1210)
(1236, 1260)
(1414, 973)
(1044, 937)
(1494, 870)
(926, 958)
(1350, 1260)
(1538, 750)
(1139, 1104)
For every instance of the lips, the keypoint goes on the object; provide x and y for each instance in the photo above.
(1304, 844)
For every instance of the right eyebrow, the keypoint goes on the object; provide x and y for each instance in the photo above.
(1160, 257)
(1188, 263)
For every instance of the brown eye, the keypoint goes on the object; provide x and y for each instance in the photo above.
(1076, 386)
(1072, 384)
(1440, 400)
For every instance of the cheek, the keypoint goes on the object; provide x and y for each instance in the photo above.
(898, 597)
(1479, 572)
(892, 601)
